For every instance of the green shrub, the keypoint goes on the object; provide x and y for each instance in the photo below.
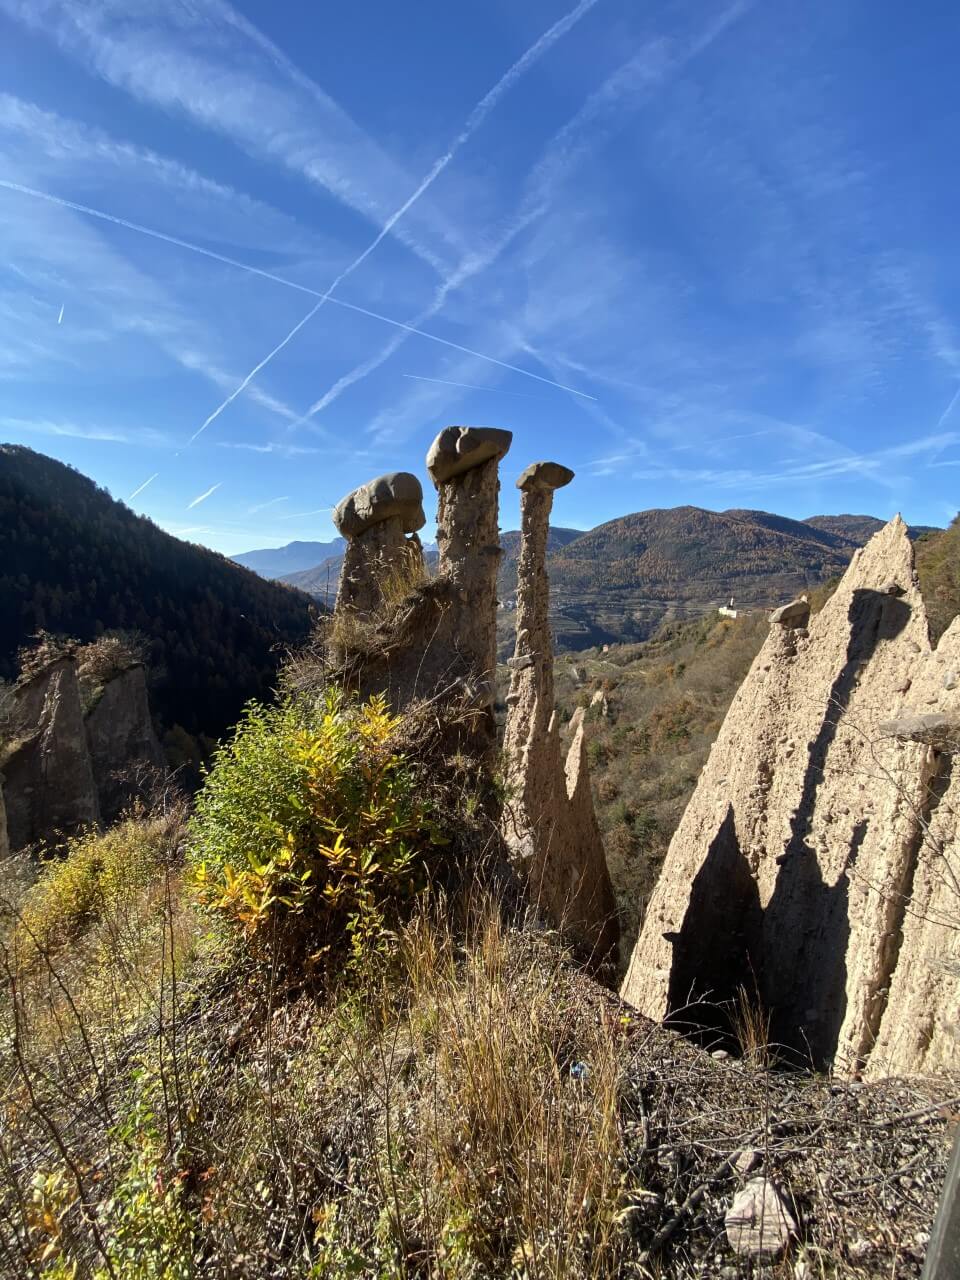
(101, 874)
(308, 825)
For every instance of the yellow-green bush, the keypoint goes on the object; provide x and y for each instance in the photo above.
(309, 824)
(101, 873)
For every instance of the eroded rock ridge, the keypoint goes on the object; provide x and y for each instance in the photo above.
(815, 868)
(68, 769)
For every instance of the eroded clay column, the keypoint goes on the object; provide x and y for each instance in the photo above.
(549, 824)
(463, 464)
(531, 683)
(375, 520)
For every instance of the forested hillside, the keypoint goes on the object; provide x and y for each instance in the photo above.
(938, 563)
(73, 561)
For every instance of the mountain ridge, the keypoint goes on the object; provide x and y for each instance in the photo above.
(292, 557)
(620, 580)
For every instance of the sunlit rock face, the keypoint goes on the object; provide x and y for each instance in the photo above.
(813, 832)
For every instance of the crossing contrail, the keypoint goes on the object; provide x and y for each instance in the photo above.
(255, 370)
(470, 386)
(270, 275)
(476, 118)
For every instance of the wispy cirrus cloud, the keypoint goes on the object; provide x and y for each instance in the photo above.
(211, 65)
(139, 436)
(55, 147)
(204, 496)
(872, 465)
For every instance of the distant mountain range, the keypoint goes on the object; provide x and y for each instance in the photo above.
(279, 562)
(75, 562)
(620, 580)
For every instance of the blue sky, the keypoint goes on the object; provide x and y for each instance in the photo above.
(702, 252)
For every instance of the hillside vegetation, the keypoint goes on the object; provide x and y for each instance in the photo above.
(73, 561)
(938, 564)
(302, 1034)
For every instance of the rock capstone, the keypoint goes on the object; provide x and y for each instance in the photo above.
(375, 519)
(545, 475)
(457, 450)
(396, 494)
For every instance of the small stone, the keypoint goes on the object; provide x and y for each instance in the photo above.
(950, 680)
(892, 589)
(794, 614)
(545, 475)
(720, 1055)
(930, 729)
(521, 663)
(460, 449)
(758, 1222)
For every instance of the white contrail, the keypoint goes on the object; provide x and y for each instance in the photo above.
(269, 275)
(470, 386)
(560, 153)
(141, 488)
(262, 506)
(204, 496)
(255, 370)
(422, 333)
(474, 121)
(298, 515)
(60, 316)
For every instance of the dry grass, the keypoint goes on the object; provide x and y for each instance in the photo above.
(750, 1024)
(406, 575)
(470, 1105)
